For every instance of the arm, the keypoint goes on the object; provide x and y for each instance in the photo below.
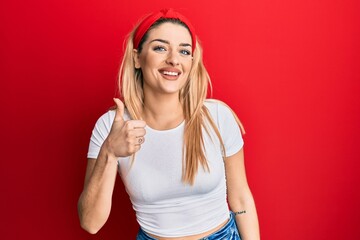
(240, 197)
(95, 201)
(124, 139)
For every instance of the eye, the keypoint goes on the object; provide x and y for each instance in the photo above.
(185, 52)
(159, 49)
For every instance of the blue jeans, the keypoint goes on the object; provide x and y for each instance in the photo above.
(227, 232)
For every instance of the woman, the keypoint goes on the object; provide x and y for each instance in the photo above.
(189, 171)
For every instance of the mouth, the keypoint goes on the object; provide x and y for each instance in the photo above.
(170, 73)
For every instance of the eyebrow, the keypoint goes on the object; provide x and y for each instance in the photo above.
(167, 42)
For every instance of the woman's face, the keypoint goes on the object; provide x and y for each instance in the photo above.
(165, 59)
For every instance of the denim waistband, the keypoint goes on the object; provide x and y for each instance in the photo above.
(227, 232)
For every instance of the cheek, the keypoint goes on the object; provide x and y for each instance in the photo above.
(146, 60)
(187, 65)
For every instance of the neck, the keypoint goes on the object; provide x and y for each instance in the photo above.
(163, 112)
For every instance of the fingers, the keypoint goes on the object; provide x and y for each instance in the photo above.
(136, 136)
(126, 137)
(134, 144)
(134, 124)
(140, 140)
(119, 114)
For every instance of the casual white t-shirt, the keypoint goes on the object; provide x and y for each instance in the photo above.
(164, 205)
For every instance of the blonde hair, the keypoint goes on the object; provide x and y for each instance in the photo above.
(192, 97)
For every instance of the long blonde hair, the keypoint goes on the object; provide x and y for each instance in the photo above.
(192, 97)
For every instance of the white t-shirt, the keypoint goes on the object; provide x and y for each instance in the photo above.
(164, 205)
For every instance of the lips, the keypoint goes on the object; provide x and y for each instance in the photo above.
(170, 73)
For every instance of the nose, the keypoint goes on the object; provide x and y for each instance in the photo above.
(172, 58)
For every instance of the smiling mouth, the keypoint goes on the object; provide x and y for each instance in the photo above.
(170, 73)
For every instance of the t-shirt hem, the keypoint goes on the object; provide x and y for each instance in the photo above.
(190, 233)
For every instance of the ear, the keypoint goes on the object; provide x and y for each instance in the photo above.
(136, 59)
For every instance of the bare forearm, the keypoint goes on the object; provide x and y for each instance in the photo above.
(95, 201)
(248, 224)
(247, 220)
(123, 140)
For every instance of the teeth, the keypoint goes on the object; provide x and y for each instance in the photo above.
(170, 73)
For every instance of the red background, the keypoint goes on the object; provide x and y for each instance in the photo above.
(290, 69)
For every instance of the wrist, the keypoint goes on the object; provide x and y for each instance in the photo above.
(106, 152)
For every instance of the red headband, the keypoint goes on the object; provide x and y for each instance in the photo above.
(152, 18)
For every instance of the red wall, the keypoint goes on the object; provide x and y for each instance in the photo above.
(290, 69)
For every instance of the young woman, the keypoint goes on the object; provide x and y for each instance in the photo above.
(187, 179)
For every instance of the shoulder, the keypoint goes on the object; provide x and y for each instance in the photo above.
(222, 113)
(108, 116)
(217, 107)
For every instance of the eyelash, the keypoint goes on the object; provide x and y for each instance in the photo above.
(159, 48)
(185, 52)
(182, 51)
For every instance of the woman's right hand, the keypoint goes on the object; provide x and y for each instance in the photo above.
(125, 137)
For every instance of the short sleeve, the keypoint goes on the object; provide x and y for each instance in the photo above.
(100, 133)
(229, 130)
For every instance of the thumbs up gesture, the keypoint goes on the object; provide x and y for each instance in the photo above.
(125, 137)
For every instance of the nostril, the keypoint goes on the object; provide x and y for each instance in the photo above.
(172, 62)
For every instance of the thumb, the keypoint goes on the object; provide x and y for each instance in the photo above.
(119, 114)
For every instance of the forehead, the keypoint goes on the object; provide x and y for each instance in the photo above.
(172, 32)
